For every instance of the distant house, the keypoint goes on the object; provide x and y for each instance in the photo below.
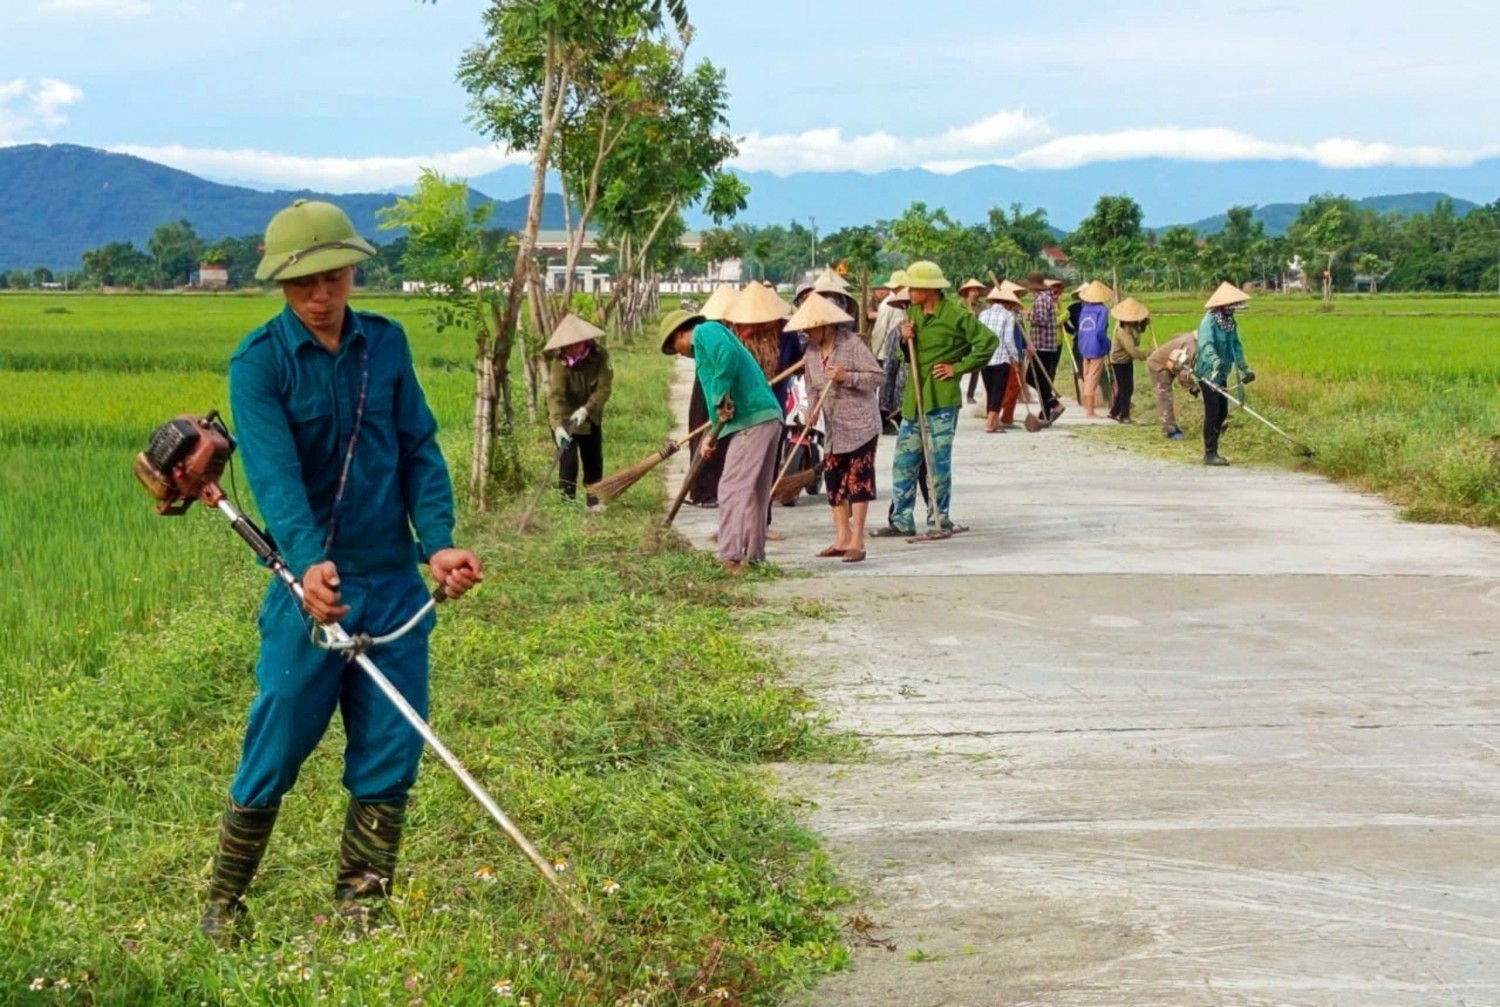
(556, 242)
(1055, 257)
(211, 277)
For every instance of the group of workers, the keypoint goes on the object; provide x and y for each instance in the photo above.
(341, 452)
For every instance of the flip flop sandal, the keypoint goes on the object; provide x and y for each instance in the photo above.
(832, 552)
(957, 529)
(932, 536)
(854, 556)
(889, 532)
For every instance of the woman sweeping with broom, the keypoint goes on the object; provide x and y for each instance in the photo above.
(578, 386)
(844, 378)
(743, 404)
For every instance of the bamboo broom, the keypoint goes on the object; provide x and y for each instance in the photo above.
(611, 487)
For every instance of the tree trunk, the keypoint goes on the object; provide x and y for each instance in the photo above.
(484, 425)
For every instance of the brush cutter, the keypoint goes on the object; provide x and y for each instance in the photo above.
(1302, 449)
(182, 463)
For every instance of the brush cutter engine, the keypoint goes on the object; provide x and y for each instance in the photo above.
(184, 461)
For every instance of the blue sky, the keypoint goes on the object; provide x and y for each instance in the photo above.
(347, 95)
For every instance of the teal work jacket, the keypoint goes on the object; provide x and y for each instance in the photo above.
(294, 405)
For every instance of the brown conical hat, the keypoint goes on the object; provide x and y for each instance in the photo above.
(756, 305)
(1095, 292)
(830, 277)
(970, 284)
(1226, 295)
(1131, 310)
(815, 312)
(723, 295)
(571, 330)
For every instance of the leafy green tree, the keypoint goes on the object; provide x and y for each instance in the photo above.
(1179, 248)
(175, 250)
(1111, 235)
(118, 264)
(447, 249)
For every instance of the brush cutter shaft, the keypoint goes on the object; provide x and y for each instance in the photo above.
(1225, 392)
(341, 640)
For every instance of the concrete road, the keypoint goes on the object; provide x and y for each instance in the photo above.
(1158, 734)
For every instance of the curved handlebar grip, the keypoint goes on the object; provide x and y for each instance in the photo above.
(439, 595)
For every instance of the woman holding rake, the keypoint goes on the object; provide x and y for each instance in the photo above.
(844, 378)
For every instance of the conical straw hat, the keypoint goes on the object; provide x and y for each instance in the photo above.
(830, 276)
(1095, 292)
(815, 312)
(1006, 291)
(571, 330)
(1226, 295)
(970, 284)
(721, 298)
(1131, 310)
(756, 305)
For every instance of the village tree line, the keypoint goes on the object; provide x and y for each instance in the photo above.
(1438, 251)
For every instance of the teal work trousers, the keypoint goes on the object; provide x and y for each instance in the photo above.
(301, 685)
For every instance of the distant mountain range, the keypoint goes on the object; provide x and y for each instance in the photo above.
(58, 201)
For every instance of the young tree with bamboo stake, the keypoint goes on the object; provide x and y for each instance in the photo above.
(523, 82)
(451, 253)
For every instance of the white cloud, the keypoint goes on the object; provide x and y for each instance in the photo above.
(328, 174)
(1231, 145)
(1001, 139)
(26, 110)
(828, 149)
(102, 8)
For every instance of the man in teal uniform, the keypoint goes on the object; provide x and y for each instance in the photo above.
(735, 386)
(341, 452)
(947, 341)
(1219, 349)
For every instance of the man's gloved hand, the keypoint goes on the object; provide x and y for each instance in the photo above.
(1246, 377)
(579, 417)
(562, 437)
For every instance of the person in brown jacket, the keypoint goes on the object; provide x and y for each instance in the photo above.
(1172, 359)
(579, 381)
(1131, 317)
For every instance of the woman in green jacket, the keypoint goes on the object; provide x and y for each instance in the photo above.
(580, 378)
(1219, 349)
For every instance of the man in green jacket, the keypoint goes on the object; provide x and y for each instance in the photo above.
(941, 340)
(748, 415)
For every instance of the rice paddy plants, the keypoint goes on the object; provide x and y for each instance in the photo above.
(594, 683)
(1397, 395)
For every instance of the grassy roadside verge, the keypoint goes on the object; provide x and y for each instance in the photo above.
(599, 686)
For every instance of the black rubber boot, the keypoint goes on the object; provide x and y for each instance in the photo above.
(243, 835)
(1212, 458)
(367, 860)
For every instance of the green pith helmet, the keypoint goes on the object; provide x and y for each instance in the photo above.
(310, 237)
(671, 324)
(925, 275)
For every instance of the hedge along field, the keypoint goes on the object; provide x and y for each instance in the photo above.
(1397, 395)
(597, 683)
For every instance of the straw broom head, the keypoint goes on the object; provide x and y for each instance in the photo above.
(789, 488)
(610, 487)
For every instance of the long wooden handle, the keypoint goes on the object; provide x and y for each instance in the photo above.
(812, 418)
(692, 474)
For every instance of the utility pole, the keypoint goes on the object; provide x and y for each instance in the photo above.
(813, 221)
